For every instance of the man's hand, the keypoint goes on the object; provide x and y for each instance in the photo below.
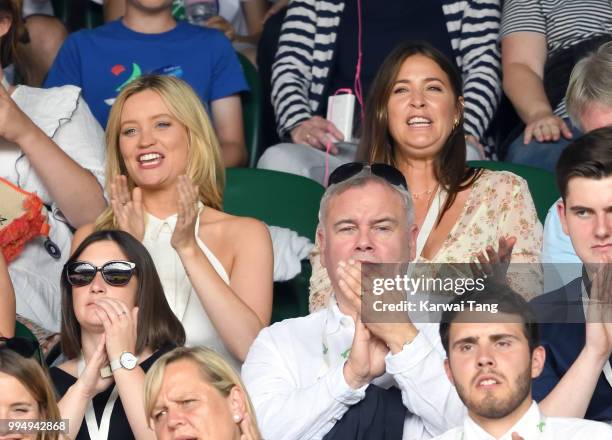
(317, 132)
(367, 358)
(599, 313)
(546, 128)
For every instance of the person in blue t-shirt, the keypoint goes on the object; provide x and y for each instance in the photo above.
(576, 320)
(148, 40)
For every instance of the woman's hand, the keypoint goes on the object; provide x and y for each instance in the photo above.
(495, 263)
(90, 380)
(247, 431)
(317, 132)
(128, 209)
(546, 128)
(220, 23)
(14, 124)
(183, 237)
(120, 326)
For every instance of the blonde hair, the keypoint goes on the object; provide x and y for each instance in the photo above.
(213, 368)
(36, 380)
(204, 163)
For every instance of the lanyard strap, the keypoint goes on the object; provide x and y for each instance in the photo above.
(98, 432)
(430, 219)
(607, 368)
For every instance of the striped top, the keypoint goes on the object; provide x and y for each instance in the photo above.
(563, 23)
(306, 51)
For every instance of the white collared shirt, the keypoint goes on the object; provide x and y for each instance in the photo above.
(534, 426)
(298, 395)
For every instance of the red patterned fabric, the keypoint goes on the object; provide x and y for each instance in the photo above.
(31, 224)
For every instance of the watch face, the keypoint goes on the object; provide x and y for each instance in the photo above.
(128, 360)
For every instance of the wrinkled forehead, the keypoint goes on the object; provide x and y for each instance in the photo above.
(367, 203)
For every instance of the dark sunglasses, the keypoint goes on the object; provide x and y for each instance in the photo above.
(387, 172)
(115, 273)
(20, 345)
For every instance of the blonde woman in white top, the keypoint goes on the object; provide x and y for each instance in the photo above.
(166, 177)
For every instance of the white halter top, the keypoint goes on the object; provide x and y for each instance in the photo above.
(181, 296)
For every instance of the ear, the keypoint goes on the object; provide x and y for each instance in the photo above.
(460, 106)
(5, 24)
(237, 402)
(562, 218)
(322, 244)
(538, 358)
(448, 371)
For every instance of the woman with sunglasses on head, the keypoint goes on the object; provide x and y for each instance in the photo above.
(414, 121)
(166, 181)
(27, 394)
(50, 144)
(115, 324)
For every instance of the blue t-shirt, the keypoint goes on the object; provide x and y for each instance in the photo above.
(103, 60)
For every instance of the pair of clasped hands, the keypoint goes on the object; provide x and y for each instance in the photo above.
(374, 340)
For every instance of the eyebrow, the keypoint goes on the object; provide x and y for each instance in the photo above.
(428, 79)
(28, 404)
(373, 222)
(130, 121)
(493, 338)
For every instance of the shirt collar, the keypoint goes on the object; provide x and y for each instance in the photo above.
(530, 426)
(156, 225)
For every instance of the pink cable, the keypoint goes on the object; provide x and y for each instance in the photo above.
(356, 86)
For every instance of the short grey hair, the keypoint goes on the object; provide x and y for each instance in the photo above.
(361, 179)
(590, 81)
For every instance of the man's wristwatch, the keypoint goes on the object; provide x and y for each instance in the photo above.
(127, 360)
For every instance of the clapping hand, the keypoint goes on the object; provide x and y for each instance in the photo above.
(183, 236)
(495, 264)
(128, 209)
(366, 360)
(90, 380)
(247, 432)
(120, 326)
(599, 311)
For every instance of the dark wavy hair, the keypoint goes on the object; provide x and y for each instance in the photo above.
(17, 32)
(157, 324)
(376, 143)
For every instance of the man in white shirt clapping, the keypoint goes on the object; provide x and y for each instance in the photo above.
(329, 375)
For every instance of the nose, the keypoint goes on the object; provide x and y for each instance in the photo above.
(603, 228)
(175, 418)
(417, 99)
(364, 241)
(485, 358)
(98, 285)
(146, 137)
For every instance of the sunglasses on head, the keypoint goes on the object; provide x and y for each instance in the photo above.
(20, 345)
(387, 172)
(115, 273)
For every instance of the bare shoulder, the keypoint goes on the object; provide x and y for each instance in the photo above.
(80, 235)
(232, 226)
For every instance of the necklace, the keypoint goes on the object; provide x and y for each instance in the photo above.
(417, 196)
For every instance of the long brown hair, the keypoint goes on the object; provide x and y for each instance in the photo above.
(376, 143)
(17, 32)
(157, 325)
(36, 380)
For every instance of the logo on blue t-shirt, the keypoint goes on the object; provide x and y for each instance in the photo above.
(118, 69)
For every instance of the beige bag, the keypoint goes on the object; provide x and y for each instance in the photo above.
(23, 216)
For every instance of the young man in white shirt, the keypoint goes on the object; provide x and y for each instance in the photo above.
(492, 359)
(312, 377)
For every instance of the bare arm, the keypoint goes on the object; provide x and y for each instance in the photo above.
(573, 393)
(524, 56)
(227, 119)
(7, 299)
(248, 297)
(130, 384)
(254, 12)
